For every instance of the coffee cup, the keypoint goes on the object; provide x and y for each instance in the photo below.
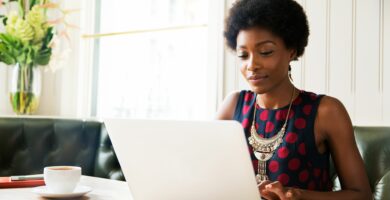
(61, 179)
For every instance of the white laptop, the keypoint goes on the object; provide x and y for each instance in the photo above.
(184, 160)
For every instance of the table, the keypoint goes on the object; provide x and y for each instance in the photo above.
(102, 189)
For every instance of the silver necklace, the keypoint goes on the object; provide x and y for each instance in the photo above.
(264, 148)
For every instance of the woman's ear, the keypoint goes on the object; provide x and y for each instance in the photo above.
(293, 54)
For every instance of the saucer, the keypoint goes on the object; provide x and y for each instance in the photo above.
(77, 192)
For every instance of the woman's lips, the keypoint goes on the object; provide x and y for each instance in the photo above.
(255, 79)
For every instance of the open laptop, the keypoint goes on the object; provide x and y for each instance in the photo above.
(184, 160)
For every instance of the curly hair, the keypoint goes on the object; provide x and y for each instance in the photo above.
(284, 18)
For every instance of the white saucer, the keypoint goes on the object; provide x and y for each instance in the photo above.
(78, 191)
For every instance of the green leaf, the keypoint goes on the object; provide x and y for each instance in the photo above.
(6, 38)
(5, 21)
(21, 8)
(11, 49)
(47, 39)
(30, 54)
(7, 59)
(32, 3)
(43, 57)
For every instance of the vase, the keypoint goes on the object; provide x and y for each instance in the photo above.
(25, 88)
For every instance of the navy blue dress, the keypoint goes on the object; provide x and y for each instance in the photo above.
(296, 162)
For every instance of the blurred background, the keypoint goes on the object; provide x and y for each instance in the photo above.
(166, 59)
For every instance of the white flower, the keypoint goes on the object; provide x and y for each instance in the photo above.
(60, 54)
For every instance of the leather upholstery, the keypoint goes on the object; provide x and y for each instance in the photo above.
(27, 145)
(374, 147)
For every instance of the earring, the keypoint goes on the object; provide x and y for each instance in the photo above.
(289, 73)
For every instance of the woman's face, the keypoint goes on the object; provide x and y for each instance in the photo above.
(263, 59)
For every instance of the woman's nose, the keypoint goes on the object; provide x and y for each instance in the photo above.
(252, 64)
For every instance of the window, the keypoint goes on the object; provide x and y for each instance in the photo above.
(160, 67)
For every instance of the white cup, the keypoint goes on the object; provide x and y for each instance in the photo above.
(61, 179)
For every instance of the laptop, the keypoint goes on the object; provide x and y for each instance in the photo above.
(184, 160)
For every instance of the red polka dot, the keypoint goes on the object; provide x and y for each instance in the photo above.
(294, 164)
(281, 114)
(283, 152)
(317, 172)
(307, 109)
(300, 123)
(264, 115)
(313, 96)
(273, 166)
(283, 179)
(256, 126)
(297, 101)
(248, 97)
(269, 127)
(311, 186)
(245, 109)
(302, 149)
(303, 176)
(245, 123)
(291, 137)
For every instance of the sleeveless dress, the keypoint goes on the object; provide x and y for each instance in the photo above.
(296, 162)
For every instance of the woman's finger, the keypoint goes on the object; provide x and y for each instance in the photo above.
(268, 195)
(277, 188)
(263, 184)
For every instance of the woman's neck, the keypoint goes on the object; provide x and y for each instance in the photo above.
(278, 97)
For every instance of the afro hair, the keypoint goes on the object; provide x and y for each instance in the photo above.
(284, 18)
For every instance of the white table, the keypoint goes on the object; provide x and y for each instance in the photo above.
(102, 189)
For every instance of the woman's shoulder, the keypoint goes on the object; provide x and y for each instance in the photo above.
(332, 114)
(237, 95)
(327, 105)
(330, 106)
(228, 106)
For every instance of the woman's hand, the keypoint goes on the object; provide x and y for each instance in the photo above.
(275, 191)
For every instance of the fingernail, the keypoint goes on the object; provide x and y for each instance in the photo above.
(268, 186)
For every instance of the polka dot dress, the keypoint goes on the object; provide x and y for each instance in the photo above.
(297, 162)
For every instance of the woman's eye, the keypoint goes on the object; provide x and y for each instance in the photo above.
(242, 55)
(266, 53)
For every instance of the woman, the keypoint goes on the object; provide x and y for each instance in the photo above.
(291, 132)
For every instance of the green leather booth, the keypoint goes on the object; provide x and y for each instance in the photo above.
(374, 147)
(29, 144)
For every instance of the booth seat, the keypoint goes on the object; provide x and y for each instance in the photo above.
(27, 145)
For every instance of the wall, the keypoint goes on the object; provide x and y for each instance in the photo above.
(348, 57)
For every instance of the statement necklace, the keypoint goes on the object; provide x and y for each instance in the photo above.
(264, 148)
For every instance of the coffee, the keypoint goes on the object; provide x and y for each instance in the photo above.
(60, 168)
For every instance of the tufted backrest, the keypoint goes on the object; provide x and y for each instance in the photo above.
(374, 147)
(27, 145)
(107, 165)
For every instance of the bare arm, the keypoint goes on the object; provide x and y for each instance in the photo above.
(335, 125)
(226, 110)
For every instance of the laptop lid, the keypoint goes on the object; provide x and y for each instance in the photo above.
(184, 160)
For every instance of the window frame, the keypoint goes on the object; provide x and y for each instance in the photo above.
(88, 92)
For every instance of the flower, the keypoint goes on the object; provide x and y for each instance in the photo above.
(29, 33)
